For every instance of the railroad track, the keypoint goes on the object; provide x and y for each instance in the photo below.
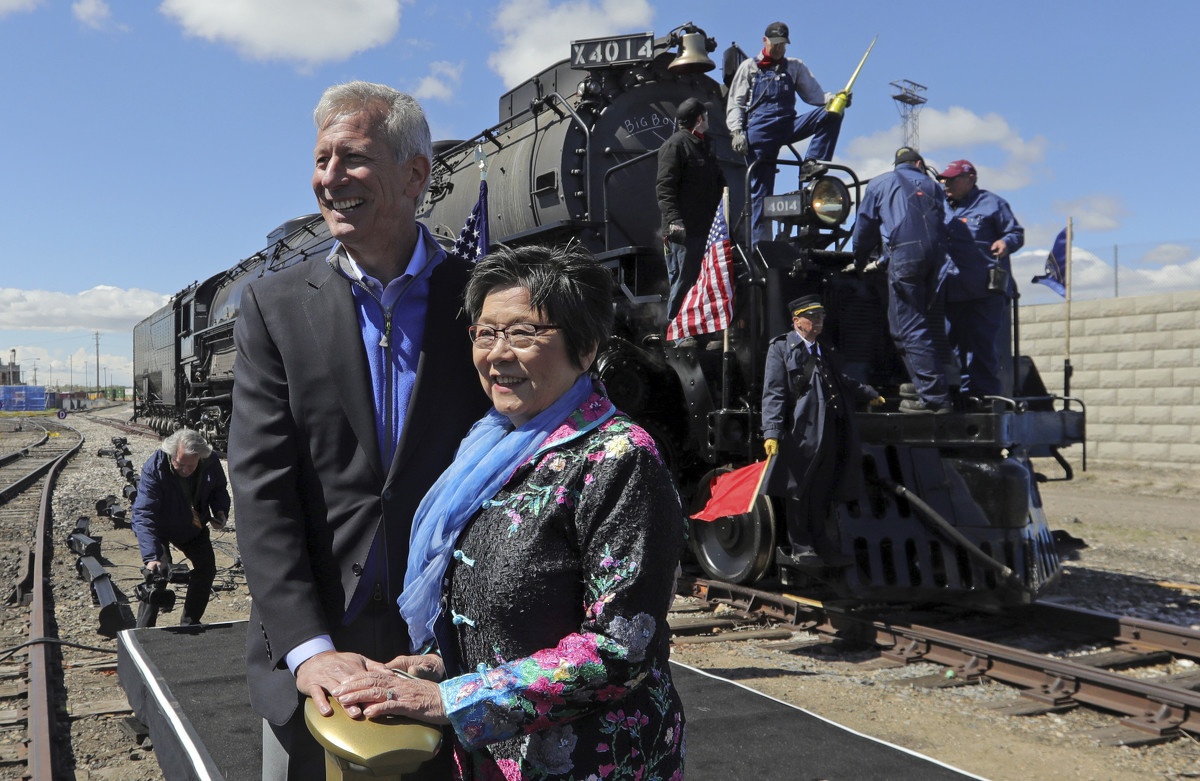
(27, 695)
(1046, 650)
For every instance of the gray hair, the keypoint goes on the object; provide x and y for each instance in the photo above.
(398, 115)
(565, 284)
(192, 443)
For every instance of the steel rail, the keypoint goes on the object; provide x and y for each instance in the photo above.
(1142, 634)
(17, 455)
(42, 729)
(1146, 706)
(28, 479)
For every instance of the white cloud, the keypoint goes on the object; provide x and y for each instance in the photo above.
(304, 31)
(442, 81)
(1094, 212)
(103, 308)
(955, 134)
(1092, 275)
(1168, 254)
(535, 34)
(95, 14)
(15, 6)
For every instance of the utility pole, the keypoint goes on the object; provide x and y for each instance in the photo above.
(35, 360)
(909, 98)
(97, 360)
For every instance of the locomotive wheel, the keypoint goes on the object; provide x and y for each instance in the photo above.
(737, 548)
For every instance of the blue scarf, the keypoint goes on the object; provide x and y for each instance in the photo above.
(485, 460)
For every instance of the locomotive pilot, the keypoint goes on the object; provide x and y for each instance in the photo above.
(808, 424)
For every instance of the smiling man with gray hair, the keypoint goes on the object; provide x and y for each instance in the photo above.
(353, 385)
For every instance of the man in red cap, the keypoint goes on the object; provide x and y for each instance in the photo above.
(983, 234)
(761, 115)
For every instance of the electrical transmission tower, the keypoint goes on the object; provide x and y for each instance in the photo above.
(909, 97)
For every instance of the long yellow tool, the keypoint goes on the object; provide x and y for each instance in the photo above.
(837, 104)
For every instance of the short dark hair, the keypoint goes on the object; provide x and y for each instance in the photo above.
(566, 285)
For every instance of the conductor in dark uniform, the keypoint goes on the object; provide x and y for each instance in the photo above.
(808, 424)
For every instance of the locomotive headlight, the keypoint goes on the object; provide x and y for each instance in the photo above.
(829, 201)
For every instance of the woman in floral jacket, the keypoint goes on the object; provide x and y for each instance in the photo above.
(542, 562)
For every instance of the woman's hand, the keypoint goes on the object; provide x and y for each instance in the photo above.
(427, 666)
(386, 693)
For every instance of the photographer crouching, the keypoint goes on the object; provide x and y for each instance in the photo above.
(182, 491)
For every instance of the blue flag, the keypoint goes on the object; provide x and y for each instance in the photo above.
(1056, 266)
(472, 242)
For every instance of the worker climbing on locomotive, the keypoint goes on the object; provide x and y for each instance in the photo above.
(761, 116)
(688, 186)
(904, 211)
(810, 434)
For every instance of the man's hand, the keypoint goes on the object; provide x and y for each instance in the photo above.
(771, 446)
(675, 233)
(878, 401)
(327, 671)
(999, 248)
(218, 520)
(740, 145)
(157, 567)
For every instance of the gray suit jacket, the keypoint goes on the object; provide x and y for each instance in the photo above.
(309, 487)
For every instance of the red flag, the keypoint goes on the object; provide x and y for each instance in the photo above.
(733, 493)
(708, 306)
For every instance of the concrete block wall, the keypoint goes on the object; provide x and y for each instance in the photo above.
(1137, 368)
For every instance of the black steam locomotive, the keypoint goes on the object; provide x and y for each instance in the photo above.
(950, 510)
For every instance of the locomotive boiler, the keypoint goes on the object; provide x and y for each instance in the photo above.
(950, 509)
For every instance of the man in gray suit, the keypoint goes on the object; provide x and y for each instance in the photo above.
(353, 386)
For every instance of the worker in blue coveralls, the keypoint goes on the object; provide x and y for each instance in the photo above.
(761, 115)
(983, 234)
(905, 211)
(808, 422)
(181, 493)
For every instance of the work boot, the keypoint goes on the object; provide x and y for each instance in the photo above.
(811, 169)
(919, 407)
(908, 391)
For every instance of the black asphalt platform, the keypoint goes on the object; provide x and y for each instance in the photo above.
(187, 685)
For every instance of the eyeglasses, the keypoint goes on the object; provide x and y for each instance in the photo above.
(520, 336)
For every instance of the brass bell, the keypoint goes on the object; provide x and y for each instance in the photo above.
(693, 56)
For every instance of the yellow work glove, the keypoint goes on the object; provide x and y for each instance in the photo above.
(771, 446)
(877, 402)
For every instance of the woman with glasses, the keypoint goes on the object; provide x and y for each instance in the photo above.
(542, 562)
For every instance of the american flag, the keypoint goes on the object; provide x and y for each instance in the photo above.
(708, 306)
(472, 242)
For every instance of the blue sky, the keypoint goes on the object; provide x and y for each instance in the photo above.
(151, 144)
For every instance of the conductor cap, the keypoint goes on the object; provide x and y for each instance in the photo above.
(689, 111)
(777, 32)
(806, 305)
(906, 154)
